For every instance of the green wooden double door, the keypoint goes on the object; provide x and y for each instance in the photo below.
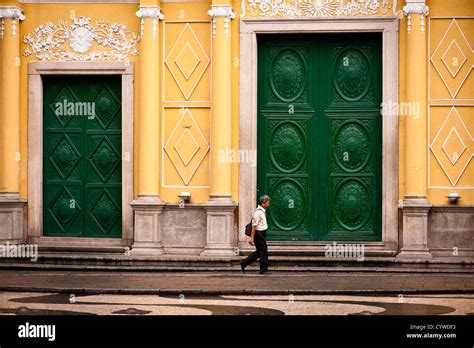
(320, 136)
(82, 170)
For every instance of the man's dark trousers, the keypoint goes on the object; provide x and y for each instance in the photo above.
(261, 252)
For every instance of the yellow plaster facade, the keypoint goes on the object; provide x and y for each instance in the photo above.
(187, 87)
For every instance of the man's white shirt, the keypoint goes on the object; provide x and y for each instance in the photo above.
(259, 219)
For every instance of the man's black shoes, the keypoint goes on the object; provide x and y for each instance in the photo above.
(242, 266)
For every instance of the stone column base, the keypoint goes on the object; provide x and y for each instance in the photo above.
(221, 239)
(11, 218)
(415, 229)
(147, 226)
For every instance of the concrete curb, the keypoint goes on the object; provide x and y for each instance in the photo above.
(214, 292)
(235, 269)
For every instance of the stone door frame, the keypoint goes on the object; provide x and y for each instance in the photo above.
(35, 151)
(249, 29)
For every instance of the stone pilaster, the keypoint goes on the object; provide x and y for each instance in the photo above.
(220, 208)
(415, 204)
(148, 207)
(221, 239)
(11, 205)
(147, 227)
(415, 228)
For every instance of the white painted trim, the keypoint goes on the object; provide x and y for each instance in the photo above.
(80, 1)
(459, 137)
(449, 188)
(207, 1)
(171, 135)
(455, 93)
(187, 187)
(453, 19)
(171, 71)
(189, 21)
(446, 65)
(451, 102)
(167, 104)
(441, 105)
(35, 138)
(430, 147)
(191, 104)
(389, 27)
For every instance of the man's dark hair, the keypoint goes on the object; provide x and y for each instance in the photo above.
(264, 199)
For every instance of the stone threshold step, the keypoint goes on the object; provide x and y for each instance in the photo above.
(112, 257)
(221, 269)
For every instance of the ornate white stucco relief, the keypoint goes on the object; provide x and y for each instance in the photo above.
(81, 41)
(317, 8)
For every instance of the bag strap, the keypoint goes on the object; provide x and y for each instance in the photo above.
(253, 214)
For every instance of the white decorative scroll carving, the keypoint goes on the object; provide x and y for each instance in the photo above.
(81, 41)
(317, 8)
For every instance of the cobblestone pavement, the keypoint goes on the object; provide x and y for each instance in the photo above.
(214, 293)
(29, 303)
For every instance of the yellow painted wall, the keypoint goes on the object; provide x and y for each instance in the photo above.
(235, 28)
(182, 95)
(186, 37)
(186, 100)
(41, 14)
(451, 100)
(402, 96)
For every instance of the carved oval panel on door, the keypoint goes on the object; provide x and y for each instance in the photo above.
(288, 75)
(288, 147)
(352, 204)
(288, 204)
(351, 146)
(352, 74)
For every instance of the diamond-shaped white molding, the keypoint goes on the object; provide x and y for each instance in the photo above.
(187, 70)
(182, 147)
(454, 151)
(194, 75)
(454, 55)
(454, 166)
(186, 164)
(453, 80)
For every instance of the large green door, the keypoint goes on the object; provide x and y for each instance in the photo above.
(82, 156)
(319, 135)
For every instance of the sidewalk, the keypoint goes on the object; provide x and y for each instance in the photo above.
(231, 283)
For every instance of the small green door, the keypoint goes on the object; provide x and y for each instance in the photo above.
(319, 135)
(82, 156)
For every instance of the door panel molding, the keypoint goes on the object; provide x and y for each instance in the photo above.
(35, 148)
(389, 27)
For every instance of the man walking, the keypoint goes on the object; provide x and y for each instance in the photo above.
(259, 232)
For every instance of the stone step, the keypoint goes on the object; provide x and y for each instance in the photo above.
(177, 263)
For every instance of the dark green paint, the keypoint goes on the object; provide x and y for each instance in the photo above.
(82, 157)
(319, 135)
